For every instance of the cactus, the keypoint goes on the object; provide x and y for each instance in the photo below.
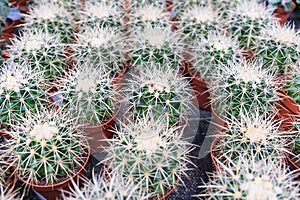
(100, 47)
(21, 91)
(292, 86)
(150, 154)
(89, 96)
(51, 18)
(251, 180)
(246, 20)
(159, 92)
(199, 21)
(244, 87)
(212, 52)
(222, 7)
(156, 45)
(43, 52)
(181, 6)
(47, 146)
(279, 47)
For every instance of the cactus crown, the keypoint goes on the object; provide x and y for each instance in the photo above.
(215, 50)
(249, 179)
(21, 91)
(156, 45)
(100, 47)
(292, 86)
(246, 21)
(198, 22)
(244, 87)
(48, 147)
(150, 154)
(40, 51)
(279, 47)
(159, 92)
(89, 95)
(50, 18)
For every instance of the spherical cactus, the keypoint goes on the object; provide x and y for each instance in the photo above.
(159, 92)
(43, 52)
(279, 47)
(101, 14)
(150, 154)
(198, 22)
(51, 18)
(244, 87)
(250, 179)
(48, 147)
(246, 20)
(212, 52)
(21, 92)
(156, 45)
(100, 47)
(89, 95)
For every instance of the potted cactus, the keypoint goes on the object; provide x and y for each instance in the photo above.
(51, 18)
(150, 154)
(159, 92)
(48, 150)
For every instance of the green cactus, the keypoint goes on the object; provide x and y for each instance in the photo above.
(292, 87)
(279, 47)
(51, 18)
(156, 45)
(181, 6)
(21, 92)
(43, 52)
(48, 147)
(150, 154)
(4, 10)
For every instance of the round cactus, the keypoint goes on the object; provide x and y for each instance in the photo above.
(89, 95)
(51, 18)
(101, 48)
(246, 20)
(159, 92)
(48, 147)
(279, 47)
(21, 91)
(40, 51)
(243, 88)
(212, 52)
(150, 154)
(156, 45)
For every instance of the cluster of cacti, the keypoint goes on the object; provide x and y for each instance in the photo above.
(150, 154)
(42, 52)
(50, 17)
(246, 22)
(89, 95)
(47, 145)
(243, 88)
(101, 48)
(159, 93)
(156, 45)
(212, 52)
(279, 47)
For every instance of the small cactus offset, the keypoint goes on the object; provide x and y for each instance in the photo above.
(156, 45)
(198, 22)
(212, 52)
(47, 146)
(244, 87)
(252, 180)
(101, 48)
(51, 18)
(279, 47)
(150, 154)
(89, 95)
(43, 52)
(21, 92)
(246, 20)
(159, 93)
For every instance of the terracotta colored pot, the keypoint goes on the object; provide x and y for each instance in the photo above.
(9, 26)
(201, 89)
(219, 122)
(5, 40)
(212, 152)
(5, 134)
(54, 192)
(117, 80)
(289, 102)
(282, 14)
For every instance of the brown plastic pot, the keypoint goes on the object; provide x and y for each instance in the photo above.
(54, 192)
(283, 15)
